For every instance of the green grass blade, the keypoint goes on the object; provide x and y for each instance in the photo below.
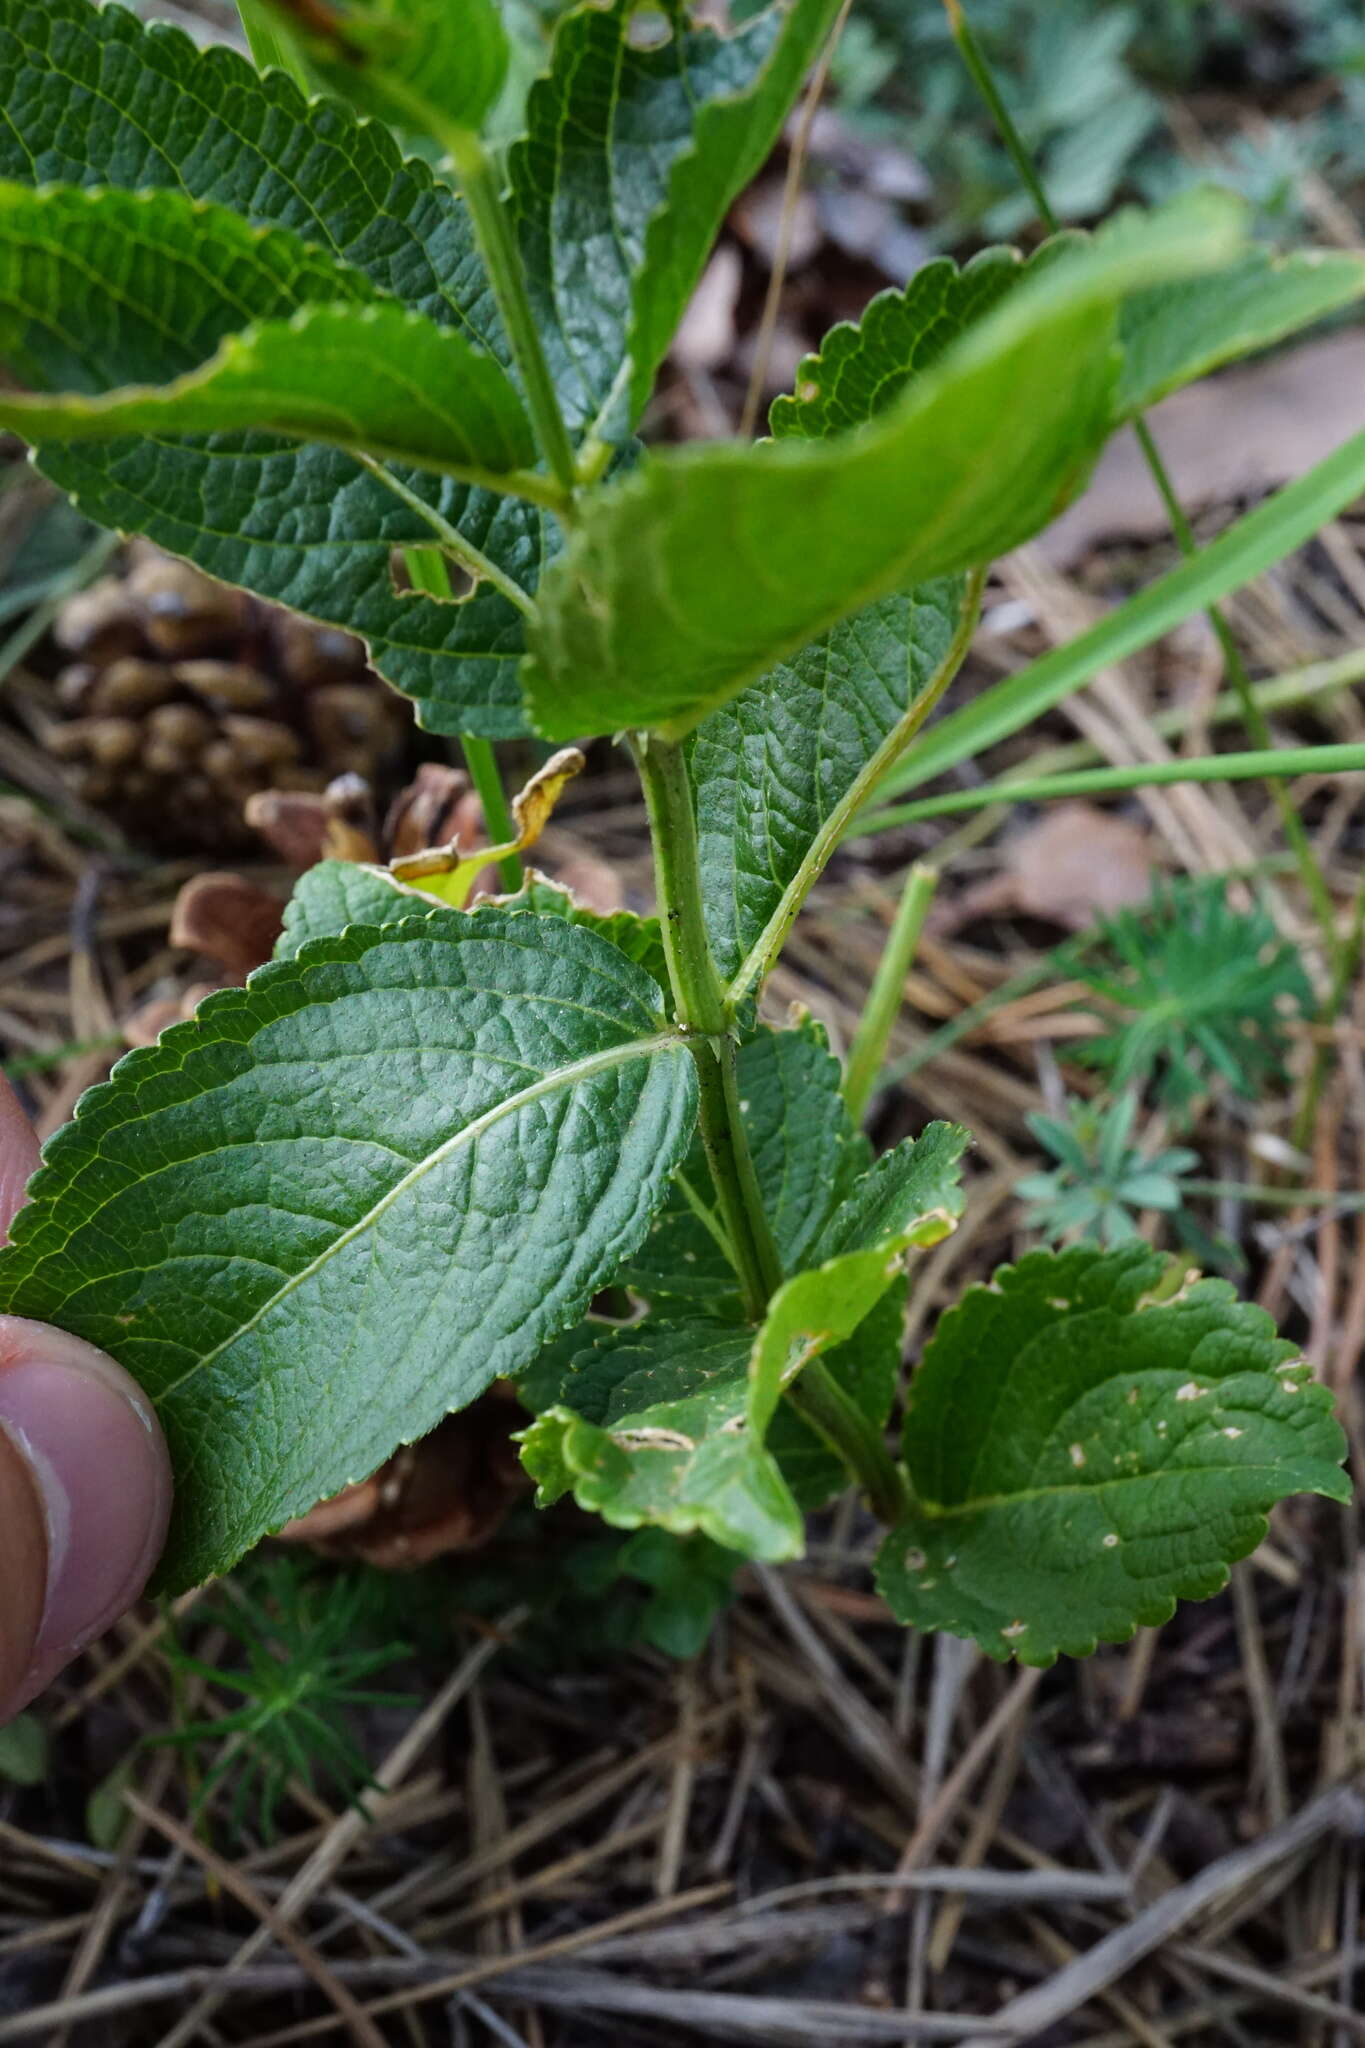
(1253, 545)
(1248, 767)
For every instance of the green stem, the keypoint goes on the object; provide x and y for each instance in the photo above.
(482, 764)
(427, 571)
(983, 78)
(822, 1402)
(701, 1009)
(868, 1050)
(271, 44)
(502, 260)
(704, 1012)
(697, 990)
(1273, 1197)
(1276, 693)
(1310, 870)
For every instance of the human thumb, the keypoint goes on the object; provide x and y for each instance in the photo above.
(85, 1484)
(84, 1501)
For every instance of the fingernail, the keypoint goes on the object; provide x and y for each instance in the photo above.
(97, 1459)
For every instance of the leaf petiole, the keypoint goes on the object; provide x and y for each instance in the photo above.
(821, 1401)
(502, 260)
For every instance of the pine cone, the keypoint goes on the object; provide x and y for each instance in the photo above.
(181, 699)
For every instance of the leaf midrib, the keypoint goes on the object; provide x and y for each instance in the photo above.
(548, 1084)
(1066, 1490)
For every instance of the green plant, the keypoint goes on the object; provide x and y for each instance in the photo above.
(1198, 991)
(407, 1157)
(1102, 1181)
(304, 1640)
(1084, 81)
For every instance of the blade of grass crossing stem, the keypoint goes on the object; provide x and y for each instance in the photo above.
(1275, 529)
(868, 1049)
(1251, 767)
(1275, 693)
(1295, 831)
(271, 44)
(427, 571)
(1258, 730)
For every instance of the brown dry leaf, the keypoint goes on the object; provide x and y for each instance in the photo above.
(293, 823)
(437, 806)
(1077, 863)
(232, 920)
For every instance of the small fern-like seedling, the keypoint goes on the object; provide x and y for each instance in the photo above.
(1204, 994)
(307, 1643)
(1101, 1181)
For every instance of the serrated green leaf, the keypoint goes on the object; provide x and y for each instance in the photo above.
(862, 366)
(630, 159)
(1169, 334)
(1176, 332)
(665, 1421)
(910, 1195)
(1083, 1456)
(92, 97)
(422, 64)
(338, 893)
(341, 1200)
(705, 566)
(110, 294)
(778, 769)
(639, 938)
(807, 1155)
(101, 288)
(650, 1427)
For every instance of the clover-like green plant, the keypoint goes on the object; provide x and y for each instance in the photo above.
(1102, 1181)
(1201, 994)
(409, 1154)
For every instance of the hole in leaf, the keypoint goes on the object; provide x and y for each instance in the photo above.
(649, 29)
(426, 572)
